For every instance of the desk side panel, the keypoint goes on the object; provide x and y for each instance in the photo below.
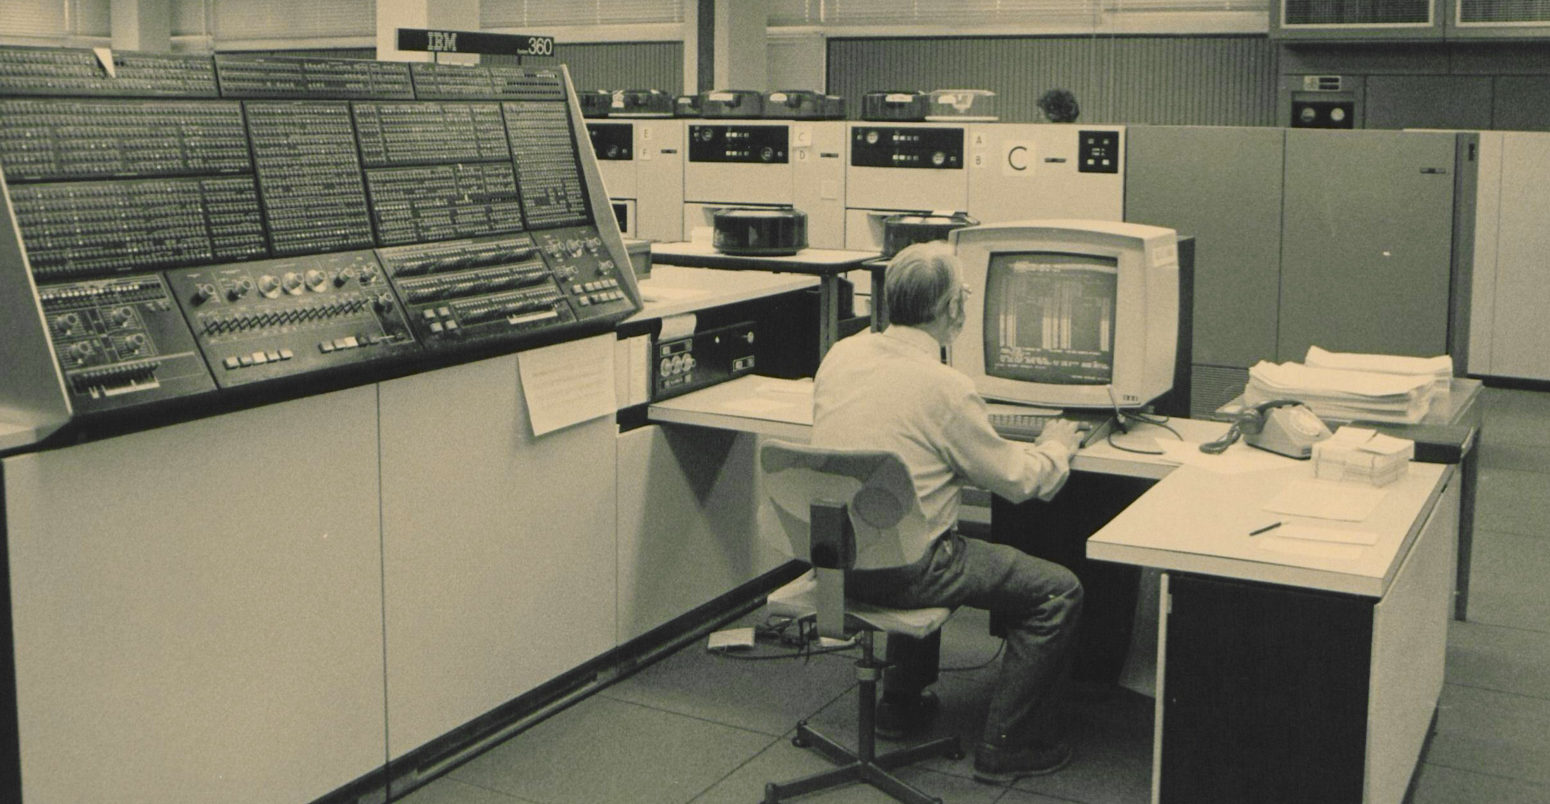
(1409, 646)
(198, 608)
(688, 532)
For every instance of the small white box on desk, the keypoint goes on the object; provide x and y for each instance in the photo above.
(1360, 454)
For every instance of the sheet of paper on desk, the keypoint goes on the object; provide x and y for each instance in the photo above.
(1238, 459)
(568, 383)
(1327, 499)
(1306, 547)
(1320, 534)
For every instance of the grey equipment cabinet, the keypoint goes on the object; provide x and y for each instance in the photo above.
(1376, 242)
(1222, 185)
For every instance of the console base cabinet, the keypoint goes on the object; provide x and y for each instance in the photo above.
(1277, 694)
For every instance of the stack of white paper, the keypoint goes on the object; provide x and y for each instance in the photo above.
(1439, 368)
(1342, 394)
(1363, 455)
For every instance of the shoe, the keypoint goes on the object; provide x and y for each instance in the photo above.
(998, 764)
(897, 720)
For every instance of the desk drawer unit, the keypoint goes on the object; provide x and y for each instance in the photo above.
(1278, 694)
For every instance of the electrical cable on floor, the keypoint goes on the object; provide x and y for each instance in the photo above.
(803, 642)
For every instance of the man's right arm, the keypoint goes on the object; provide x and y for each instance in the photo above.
(1015, 471)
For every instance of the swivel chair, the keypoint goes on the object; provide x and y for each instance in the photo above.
(848, 509)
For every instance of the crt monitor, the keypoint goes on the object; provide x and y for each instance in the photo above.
(1069, 313)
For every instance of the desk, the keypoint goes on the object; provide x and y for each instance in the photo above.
(826, 264)
(1281, 676)
(1284, 674)
(672, 290)
(1448, 433)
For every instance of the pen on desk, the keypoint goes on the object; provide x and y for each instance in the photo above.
(1271, 526)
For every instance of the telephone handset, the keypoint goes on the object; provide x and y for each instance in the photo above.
(1283, 426)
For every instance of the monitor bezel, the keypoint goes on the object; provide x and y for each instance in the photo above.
(1143, 256)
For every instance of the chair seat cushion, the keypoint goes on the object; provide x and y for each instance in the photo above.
(799, 599)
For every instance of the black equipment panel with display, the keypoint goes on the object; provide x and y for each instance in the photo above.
(1100, 152)
(757, 144)
(58, 71)
(309, 176)
(81, 229)
(547, 172)
(685, 364)
(269, 319)
(938, 148)
(612, 141)
(121, 342)
(244, 76)
(53, 140)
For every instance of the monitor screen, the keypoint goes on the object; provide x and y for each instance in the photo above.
(1050, 316)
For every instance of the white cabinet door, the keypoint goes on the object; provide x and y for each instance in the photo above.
(198, 608)
(1520, 343)
(498, 547)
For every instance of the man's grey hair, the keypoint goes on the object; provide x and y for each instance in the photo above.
(921, 283)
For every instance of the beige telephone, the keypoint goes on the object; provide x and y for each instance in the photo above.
(1283, 426)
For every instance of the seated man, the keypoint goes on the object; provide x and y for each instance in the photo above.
(890, 391)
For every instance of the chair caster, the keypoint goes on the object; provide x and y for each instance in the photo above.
(799, 742)
(770, 796)
(955, 755)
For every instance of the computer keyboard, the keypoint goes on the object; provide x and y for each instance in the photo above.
(1027, 426)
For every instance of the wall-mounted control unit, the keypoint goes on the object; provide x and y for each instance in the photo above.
(684, 364)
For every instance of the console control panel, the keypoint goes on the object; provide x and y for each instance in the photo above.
(938, 148)
(246, 76)
(268, 319)
(121, 342)
(723, 143)
(464, 291)
(57, 71)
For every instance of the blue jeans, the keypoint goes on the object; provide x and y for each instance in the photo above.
(1040, 602)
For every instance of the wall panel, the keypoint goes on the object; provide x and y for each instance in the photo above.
(615, 65)
(1167, 80)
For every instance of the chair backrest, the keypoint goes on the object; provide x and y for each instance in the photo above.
(874, 487)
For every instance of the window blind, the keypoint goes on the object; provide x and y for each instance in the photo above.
(294, 19)
(54, 19)
(533, 13)
(948, 15)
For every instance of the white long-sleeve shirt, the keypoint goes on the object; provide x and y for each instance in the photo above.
(890, 391)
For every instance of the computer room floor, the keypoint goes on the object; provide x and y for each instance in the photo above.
(705, 729)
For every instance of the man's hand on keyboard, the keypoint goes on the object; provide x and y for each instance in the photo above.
(1062, 431)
